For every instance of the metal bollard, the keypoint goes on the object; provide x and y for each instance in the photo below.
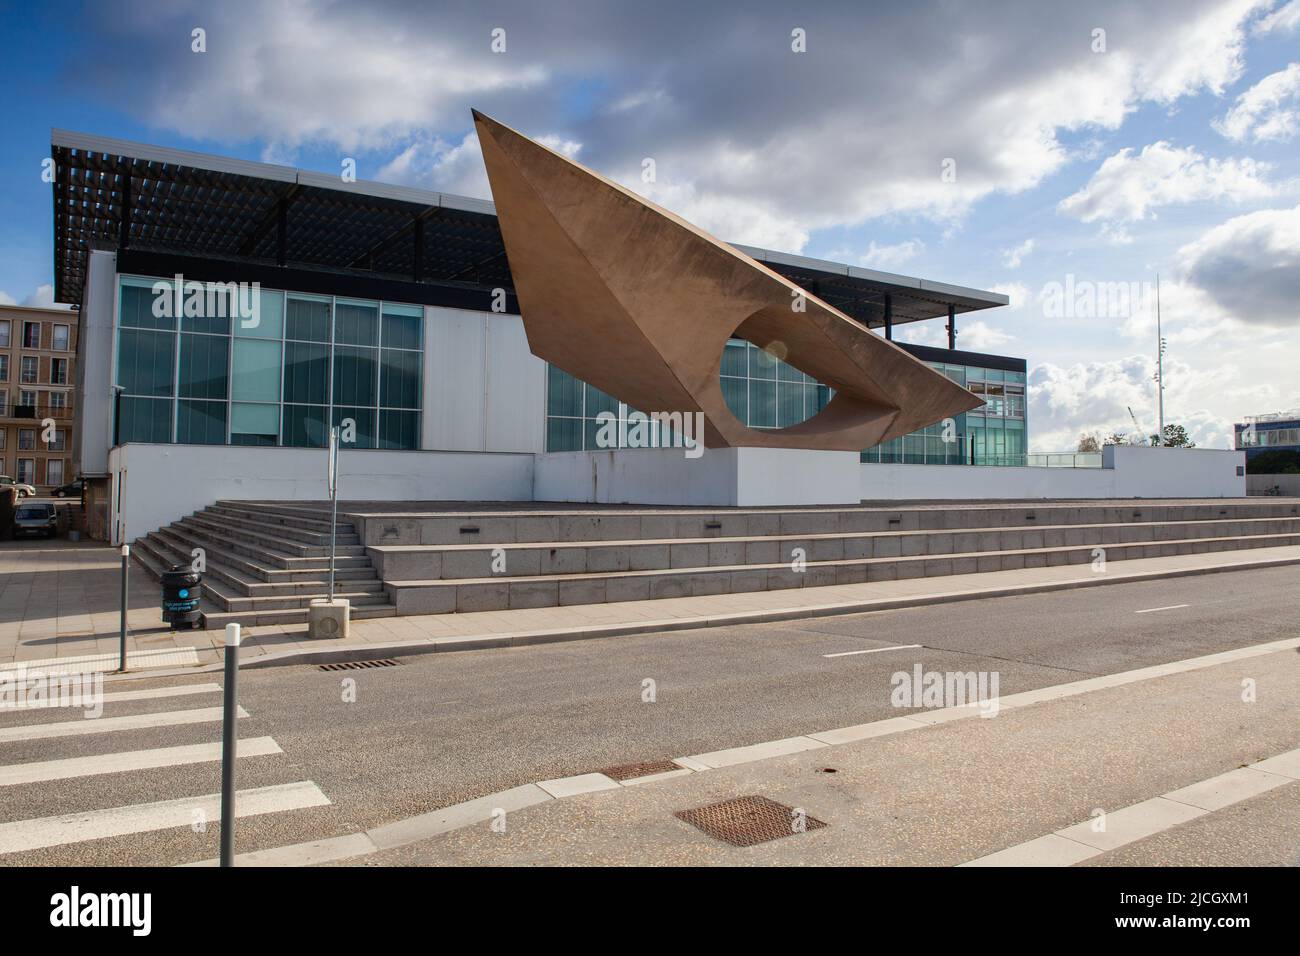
(229, 712)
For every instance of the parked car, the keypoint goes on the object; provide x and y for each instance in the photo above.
(71, 490)
(39, 519)
(22, 488)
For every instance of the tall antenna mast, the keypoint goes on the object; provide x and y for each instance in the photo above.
(1160, 370)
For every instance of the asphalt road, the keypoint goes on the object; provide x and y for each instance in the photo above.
(442, 728)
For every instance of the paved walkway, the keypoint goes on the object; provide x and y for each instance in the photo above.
(60, 600)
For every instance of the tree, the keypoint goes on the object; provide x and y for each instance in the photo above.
(1088, 443)
(1175, 437)
(1117, 438)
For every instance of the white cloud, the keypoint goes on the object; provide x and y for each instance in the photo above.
(751, 141)
(1016, 292)
(1249, 266)
(7, 299)
(1095, 398)
(1285, 17)
(1127, 187)
(1269, 110)
(1012, 258)
(436, 164)
(892, 257)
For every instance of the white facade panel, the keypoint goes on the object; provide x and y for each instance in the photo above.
(455, 380)
(516, 388)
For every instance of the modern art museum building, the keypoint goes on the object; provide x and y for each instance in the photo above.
(231, 312)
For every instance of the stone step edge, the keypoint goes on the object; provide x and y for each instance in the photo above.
(833, 563)
(814, 536)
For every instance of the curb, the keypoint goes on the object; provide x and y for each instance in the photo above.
(488, 808)
(326, 655)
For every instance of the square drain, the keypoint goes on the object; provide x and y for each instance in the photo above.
(357, 665)
(630, 771)
(746, 821)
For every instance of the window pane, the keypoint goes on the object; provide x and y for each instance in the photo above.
(145, 420)
(307, 319)
(402, 326)
(200, 423)
(564, 434)
(400, 379)
(306, 373)
(145, 362)
(563, 393)
(270, 318)
(790, 404)
(135, 309)
(762, 404)
(733, 359)
(365, 419)
(255, 375)
(356, 323)
(761, 364)
(204, 363)
(788, 373)
(61, 338)
(254, 424)
(399, 429)
(736, 394)
(598, 401)
(304, 425)
(355, 376)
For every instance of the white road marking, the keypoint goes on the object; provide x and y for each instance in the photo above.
(1081, 841)
(118, 696)
(108, 725)
(90, 663)
(147, 817)
(874, 650)
(1171, 607)
(70, 767)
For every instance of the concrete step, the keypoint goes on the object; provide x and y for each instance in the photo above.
(296, 518)
(547, 590)
(280, 531)
(631, 524)
(274, 536)
(236, 576)
(449, 562)
(260, 563)
(272, 543)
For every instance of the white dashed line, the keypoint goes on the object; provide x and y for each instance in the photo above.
(1171, 607)
(873, 650)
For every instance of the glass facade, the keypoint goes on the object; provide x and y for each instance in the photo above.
(764, 392)
(308, 362)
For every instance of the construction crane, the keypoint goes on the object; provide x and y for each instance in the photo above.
(1135, 419)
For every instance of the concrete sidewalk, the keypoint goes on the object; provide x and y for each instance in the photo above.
(1103, 771)
(60, 600)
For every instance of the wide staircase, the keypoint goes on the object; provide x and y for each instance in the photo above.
(267, 560)
(484, 560)
(266, 565)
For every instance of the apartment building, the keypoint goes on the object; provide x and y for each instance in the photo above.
(38, 349)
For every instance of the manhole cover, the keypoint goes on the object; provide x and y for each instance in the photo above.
(629, 771)
(745, 821)
(357, 665)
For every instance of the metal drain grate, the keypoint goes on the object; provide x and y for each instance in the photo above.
(630, 771)
(745, 821)
(357, 665)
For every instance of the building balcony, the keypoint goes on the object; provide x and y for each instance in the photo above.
(31, 414)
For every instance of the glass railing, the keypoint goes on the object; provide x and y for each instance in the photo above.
(1080, 459)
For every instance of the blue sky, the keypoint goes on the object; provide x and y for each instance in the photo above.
(1165, 144)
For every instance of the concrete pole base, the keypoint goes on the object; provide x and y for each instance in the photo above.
(328, 620)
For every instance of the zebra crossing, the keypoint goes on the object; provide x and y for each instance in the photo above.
(67, 762)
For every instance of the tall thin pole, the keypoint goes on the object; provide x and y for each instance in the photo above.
(1160, 368)
(334, 502)
(229, 711)
(121, 629)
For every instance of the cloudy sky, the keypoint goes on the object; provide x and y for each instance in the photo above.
(1056, 151)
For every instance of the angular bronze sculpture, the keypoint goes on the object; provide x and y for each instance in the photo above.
(639, 303)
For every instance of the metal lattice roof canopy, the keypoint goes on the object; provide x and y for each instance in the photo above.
(114, 194)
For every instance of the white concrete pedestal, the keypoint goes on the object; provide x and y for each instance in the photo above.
(328, 620)
(732, 477)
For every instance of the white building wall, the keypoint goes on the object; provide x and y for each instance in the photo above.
(96, 356)
(483, 389)
(155, 485)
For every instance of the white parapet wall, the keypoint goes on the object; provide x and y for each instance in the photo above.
(1126, 472)
(747, 477)
(154, 485)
